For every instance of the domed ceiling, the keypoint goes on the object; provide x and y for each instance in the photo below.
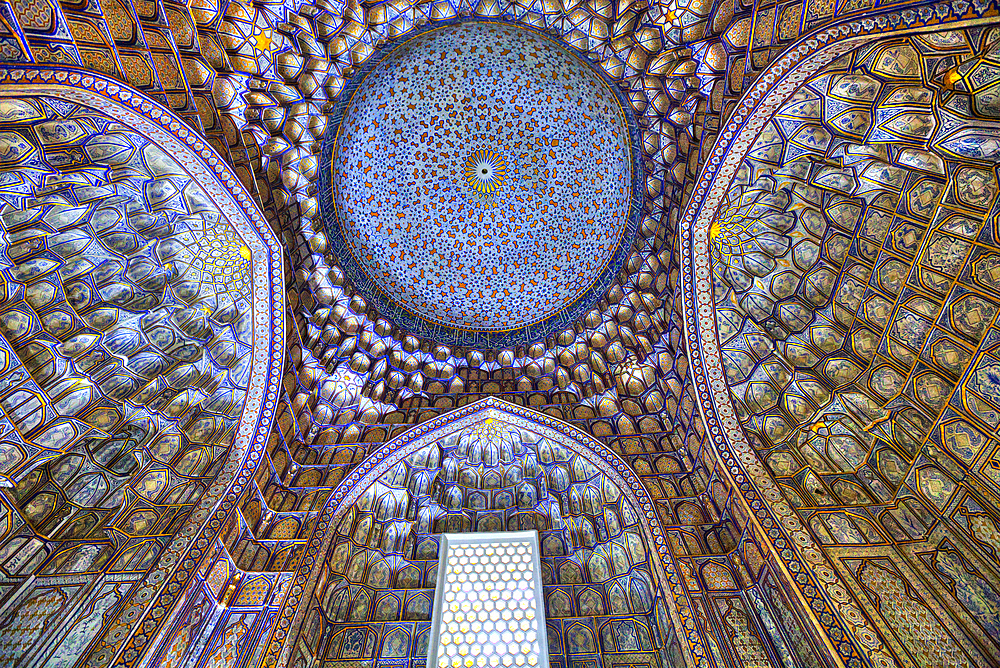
(481, 185)
(794, 374)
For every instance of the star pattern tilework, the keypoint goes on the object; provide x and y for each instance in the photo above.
(430, 236)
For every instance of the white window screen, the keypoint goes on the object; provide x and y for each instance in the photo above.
(488, 608)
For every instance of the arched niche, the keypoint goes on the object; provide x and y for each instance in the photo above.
(141, 338)
(489, 466)
(859, 56)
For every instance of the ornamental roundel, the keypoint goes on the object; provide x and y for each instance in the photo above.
(480, 184)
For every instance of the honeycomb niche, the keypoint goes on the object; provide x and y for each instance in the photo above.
(503, 470)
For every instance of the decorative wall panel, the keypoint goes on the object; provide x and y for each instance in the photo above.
(488, 467)
(838, 251)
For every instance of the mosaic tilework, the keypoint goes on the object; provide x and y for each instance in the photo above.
(222, 615)
(911, 529)
(856, 427)
(488, 467)
(485, 172)
(482, 178)
(140, 315)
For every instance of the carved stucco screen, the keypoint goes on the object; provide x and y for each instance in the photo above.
(488, 607)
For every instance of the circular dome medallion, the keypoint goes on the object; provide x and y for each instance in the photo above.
(481, 185)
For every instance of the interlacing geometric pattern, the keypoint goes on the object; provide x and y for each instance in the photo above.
(856, 411)
(482, 260)
(772, 439)
(853, 315)
(140, 303)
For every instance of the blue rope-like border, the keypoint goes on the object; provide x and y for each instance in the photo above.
(407, 320)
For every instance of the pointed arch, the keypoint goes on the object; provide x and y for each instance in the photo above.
(589, 458)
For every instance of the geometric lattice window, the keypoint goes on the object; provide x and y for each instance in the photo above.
(488, 608)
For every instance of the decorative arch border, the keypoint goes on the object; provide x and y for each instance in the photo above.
(848, 633)
(380, 461)
(156, 599)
